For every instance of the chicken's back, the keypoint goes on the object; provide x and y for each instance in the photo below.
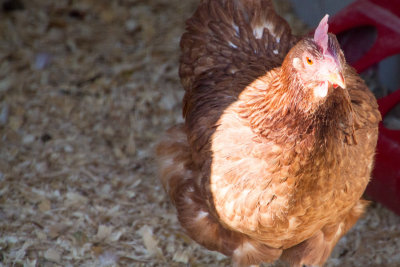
(224, 37)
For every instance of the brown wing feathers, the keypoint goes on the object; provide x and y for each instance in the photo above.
(232, 34)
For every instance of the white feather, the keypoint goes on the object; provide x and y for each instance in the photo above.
(232, 45)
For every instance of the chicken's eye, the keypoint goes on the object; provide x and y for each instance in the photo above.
(309, 61)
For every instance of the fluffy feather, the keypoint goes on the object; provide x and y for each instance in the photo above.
(264, 167)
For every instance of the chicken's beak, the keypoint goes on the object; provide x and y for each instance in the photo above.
(336, 79)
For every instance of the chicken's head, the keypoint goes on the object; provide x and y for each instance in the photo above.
(318, 62)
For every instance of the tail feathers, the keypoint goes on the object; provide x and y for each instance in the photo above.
(178, 177)
(174, 162)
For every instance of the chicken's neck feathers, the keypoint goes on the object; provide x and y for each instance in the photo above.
(277, 108)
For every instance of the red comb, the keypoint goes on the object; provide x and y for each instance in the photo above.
(321, 34)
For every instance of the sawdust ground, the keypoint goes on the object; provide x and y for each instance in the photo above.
(86, 88)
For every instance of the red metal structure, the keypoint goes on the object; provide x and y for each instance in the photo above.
(383, 17)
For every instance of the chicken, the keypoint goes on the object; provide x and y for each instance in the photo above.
(279, 137)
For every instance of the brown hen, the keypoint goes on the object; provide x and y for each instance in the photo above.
(279, 137)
